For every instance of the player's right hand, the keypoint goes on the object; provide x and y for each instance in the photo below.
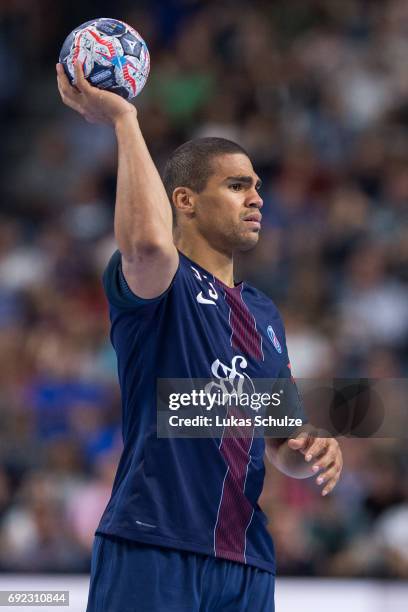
(96, 105)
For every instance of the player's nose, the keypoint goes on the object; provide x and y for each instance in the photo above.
(255, 201)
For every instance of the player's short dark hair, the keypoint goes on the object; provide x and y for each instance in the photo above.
(190, 164)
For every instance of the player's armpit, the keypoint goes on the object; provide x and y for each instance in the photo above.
(150, 270)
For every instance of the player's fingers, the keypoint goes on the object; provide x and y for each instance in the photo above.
(62, 78)
(66, 90)
(60, 70)
(64, 93)
(327, 474)
(298, 443)
(302, 441)
(330, 476)
(75, 106)
(326, 458)
(69, 100)
(331, 453)
(330, 484)
(316, 448)
(80, 81)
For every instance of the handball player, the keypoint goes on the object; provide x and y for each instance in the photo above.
(183, 531)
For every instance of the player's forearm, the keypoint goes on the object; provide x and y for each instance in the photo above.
(288, 461)
(143, 217)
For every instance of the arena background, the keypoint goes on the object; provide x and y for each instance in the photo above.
(317, 91)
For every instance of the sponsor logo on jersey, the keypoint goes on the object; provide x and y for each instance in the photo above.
(202, 300)
(273, 338)
(211, 292)
(230, 378)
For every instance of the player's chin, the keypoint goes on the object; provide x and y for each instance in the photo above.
(248, 241)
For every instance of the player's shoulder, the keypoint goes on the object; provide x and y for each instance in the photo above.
(264, 309)
(259, 297)
(119, 293)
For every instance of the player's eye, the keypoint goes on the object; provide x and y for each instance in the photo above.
(235, 186)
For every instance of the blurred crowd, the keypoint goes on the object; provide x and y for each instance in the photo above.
(317, 92)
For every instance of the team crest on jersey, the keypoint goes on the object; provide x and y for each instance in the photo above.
(274, 339)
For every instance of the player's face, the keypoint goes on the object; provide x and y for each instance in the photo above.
(228, 209)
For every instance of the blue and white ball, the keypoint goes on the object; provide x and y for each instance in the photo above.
(113, 55)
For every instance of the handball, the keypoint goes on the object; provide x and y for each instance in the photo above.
(113, 56)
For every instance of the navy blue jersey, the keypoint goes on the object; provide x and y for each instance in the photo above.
(199, 495)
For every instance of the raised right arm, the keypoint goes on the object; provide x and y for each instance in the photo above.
(143, 216)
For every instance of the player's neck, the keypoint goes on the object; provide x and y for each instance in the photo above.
(220, 264)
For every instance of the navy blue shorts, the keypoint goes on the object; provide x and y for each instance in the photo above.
(127, 576)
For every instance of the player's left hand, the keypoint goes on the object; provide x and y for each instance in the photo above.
(325, 456)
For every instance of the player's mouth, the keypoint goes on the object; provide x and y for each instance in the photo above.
(254, 220)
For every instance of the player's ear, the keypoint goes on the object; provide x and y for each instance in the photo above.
(184, 201)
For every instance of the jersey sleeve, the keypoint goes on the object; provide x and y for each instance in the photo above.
(119, 293)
